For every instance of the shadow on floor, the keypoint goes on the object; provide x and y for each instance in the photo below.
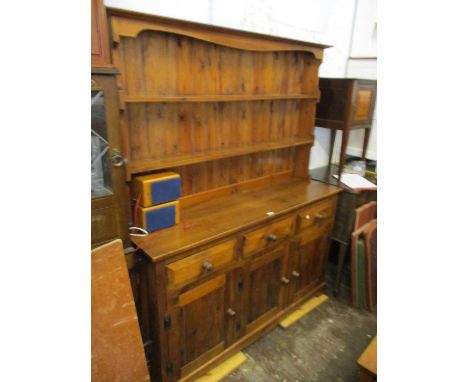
(321, 347)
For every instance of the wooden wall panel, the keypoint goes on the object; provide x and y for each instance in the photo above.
(163, 130)
(202, 177)
(166, 64)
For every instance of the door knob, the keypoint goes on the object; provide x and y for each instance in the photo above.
(319, 217)
(207, 266)
(271, 237)
(117, 159)
(296, 274)
(230, 312)
(284, 280)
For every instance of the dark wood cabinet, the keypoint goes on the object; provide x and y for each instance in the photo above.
(343, 226)
(108, 202)
(346, 104)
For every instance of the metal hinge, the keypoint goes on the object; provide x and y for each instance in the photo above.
(240, 285)
(169, 368)
(167, 322)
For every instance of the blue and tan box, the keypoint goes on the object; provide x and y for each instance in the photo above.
(157, 188)
(158, 217)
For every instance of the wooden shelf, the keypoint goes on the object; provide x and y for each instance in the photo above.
(219, 98)
(187, 159)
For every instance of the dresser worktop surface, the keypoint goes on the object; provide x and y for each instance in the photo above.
(222, 216)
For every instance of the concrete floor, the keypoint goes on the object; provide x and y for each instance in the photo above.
(321, 347)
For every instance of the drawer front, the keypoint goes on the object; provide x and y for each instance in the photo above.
(200, 264)
(312, 233)
(317, 215)
(267, 236)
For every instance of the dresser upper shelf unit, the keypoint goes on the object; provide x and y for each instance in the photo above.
(223, 108)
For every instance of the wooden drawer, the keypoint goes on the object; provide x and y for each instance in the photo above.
(314, 232)
(267, 236)
(200, 264)
(318, 214)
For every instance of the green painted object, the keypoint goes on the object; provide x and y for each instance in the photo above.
(360, 274)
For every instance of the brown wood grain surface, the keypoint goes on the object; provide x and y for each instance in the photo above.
(265, 287)
(116, 345)
(308, 262)
(100, 53)
(220, 217)
(189, 100)
(200, 264)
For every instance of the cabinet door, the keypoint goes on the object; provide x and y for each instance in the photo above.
(308, 260)
(108, 211)
(265, 287)
(364, 96)
(197, 326)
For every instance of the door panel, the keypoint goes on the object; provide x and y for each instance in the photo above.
(308, 265)
(197, 330)
(265, 287)
(364, 102)
(203, 324)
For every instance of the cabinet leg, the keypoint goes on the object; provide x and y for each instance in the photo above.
(365, 143)
(339, 271)
(332, 146)
(344, 144)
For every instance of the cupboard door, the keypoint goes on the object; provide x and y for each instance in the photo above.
(308, 260)
(197, 326)
(265, 284)
(364, 96)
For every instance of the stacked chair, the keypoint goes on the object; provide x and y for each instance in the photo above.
(364, 258)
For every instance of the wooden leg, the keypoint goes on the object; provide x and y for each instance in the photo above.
(339, 271)
(366, 142)
(332, 146)
(344, 143)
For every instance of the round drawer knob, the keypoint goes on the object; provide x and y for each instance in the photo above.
(296, 274)
(271, 237)
(207, 266)
(307, 217)
(284, 280)
(230, 312)
(319, 217)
